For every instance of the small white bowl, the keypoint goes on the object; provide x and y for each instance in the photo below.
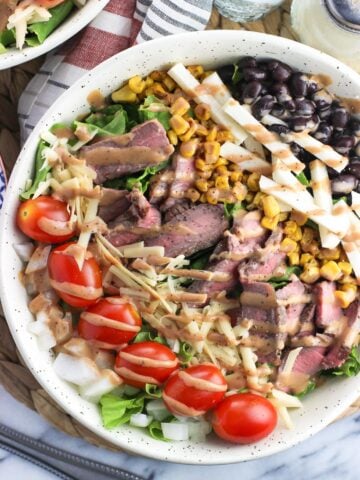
(78, 19)
(210, 48)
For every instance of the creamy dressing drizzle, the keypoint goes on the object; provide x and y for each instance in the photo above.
(129, 374)
(102, 321)
(200, 383)
(55, 227)
(88, 293)
(148, 362)
(180, 408)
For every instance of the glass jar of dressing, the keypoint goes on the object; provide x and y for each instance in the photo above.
(246, 10)
(332, 26)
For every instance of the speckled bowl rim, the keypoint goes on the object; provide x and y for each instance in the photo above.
(72, 25)
(322, 406)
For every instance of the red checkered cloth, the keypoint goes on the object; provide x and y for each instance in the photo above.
(121, 24)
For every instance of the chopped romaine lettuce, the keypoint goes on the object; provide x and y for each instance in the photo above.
(155, 431)
(58, 14)
(142, 182)
(186, 352)
(40, 173)
(116, 411)
(152, 391)
(7, 37)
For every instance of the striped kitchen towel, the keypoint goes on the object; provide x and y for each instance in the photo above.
(121, 24)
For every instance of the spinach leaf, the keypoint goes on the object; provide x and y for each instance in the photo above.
(58, 14)
(283, 280)
(116, 411)
(41, 172)
(200, 262)
(154, 108)
(231, 209)
(351, 367)
(142, 181)
(303, 179)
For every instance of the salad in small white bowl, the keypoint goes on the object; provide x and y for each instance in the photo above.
(30, 28)
(191, 252)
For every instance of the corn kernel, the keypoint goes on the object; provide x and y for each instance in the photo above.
(331, 271)
(345, 267)
(192, 194)
(169, 83)
(311, 274)
(157, 75)
(124, 95)
(346, 295)
(222, 182)
(342, 298)
(224, 136)
(221, 162)
(329, 253)
(212, 151)
(313, 248)
(202, 111)
(149, 81)
(235, 176)
(136, 84)
(288, 245)
(212, 196)
(253, 182)
(159, 90)
(283, 216)
(211, 137)
(290, 227)
(173, 139)
(196, 70)
(347, 280)
(249, 197)
(202, 166)
(270, 206)
(308, 236)
(180, 106)
(222, 170)
(201, 130)
(270, 223)
(258, 197)
(297, 235)
(306, 258)
(293, 258)
(240, 191)
(188, 149)
(206, 174)
(179, 125)
(201, 185)
(299, 218)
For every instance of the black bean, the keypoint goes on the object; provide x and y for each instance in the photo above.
(357, 149)
(251, 91)
(269, 64)
(343, 184)
(281, 73)
(322, 99)
(264, 89)
(313, 122)
(247, 62)
(279, 111)
(226, 73)
(343, 144)
(295, 148)
(324, 114)
(332, 172)
(323, 133)
(298, 124)
(299, 85)
(313, 87)
(254, 73)
(304, 107)
(354, 167)
(263, 106)
(281, 91)
(289, 105)
(339, 118)
(279, 129)
(354, 125)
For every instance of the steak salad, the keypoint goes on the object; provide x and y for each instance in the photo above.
(195, 253)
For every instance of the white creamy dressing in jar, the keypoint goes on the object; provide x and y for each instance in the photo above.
(331, 26)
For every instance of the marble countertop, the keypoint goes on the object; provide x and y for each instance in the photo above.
(332, 454)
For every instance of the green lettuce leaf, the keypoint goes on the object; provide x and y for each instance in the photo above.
(41, 172)
(152, 391)
(117, 411)
(309, 388)
(280, 282)
(231, 209)
(155, 431)
(58, 14)
(142, 181)
(7, 37)
(186, 352)
(154, 108)
(351, 367)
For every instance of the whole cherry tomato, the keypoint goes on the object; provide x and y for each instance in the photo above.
(78, 288)
(111, 320)
(194, 390)
(45, 219)
(244, 418)
(145, 362)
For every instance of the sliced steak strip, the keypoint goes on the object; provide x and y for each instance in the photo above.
(160, 186)
(308, 362)
(113, 203)
(344, 343)
(184, 177)
(197, 228)
(327, 308)
(145, 145)
(7, 7)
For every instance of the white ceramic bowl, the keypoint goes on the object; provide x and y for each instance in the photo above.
(78, 19)
(210, 49)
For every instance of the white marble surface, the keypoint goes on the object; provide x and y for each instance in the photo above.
(333, 454)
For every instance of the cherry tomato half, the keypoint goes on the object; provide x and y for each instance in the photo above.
(145, 362)
(45, 219)
(78, 288)
(244, 418)
(194, 390)
(111, 320)
(48, 3)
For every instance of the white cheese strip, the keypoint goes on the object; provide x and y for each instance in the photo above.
(286, 400)
(355, 202)
(217, 88)
(254, 146)
(301, 202)
(245, 159)
(85, 235)
(135, 252)
(192, 87)
(270, 140)
(324, 152)
(351, 241)
(322, 195)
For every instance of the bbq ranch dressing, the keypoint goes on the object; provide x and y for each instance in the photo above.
(332, 26)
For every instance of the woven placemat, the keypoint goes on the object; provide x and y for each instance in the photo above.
(14, 376)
